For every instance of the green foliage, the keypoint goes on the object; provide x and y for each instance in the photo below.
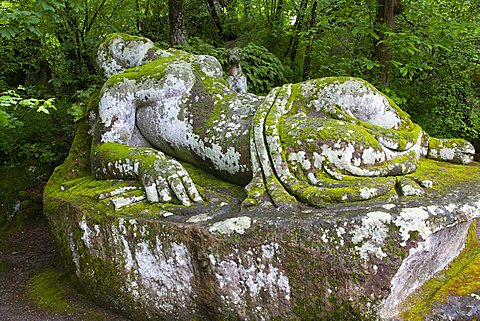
(197, 46)
(10, 100)
(448, 107)
(262, 68)
(78, 109)
(36, 136)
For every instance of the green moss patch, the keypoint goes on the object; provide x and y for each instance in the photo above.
(443, 174)
(53, 291)
(461, 277)
(48, 291)
(3, 266)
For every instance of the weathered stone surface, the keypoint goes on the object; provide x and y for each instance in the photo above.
(215, 260)
(464, 308)
(236, 79)
(323, 141)
(162, 239)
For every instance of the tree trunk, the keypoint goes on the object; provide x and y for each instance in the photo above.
(137, 15)
(278, 15)
(295, 39)
(216, 19)
(307, 64)
(385, 18)
(246, 9)
(178, 34)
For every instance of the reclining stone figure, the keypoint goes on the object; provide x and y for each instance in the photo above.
(320, 141)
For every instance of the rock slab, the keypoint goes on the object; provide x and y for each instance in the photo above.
(218, 261)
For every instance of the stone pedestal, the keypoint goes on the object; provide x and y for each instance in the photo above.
(217, 261)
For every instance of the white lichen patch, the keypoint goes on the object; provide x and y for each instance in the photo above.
(451, 207)
(158, 272)
(120, 202)
(410, 190)
(301, 159)
(447, 153)
(232, 225)
(119, 234)
(426, 183)
(371, 234)
(87, 232)
(250, 277)
(199, 218)
(167, 214)
(357, 99)
(75, 255)
(166, 273)
(388, 206)
(118, 191)
(367, 193)
(268, 250)
(413, 219)
(470, 211)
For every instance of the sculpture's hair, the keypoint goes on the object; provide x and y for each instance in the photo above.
(120, 52)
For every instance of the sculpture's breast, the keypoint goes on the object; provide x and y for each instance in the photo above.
(198, 119)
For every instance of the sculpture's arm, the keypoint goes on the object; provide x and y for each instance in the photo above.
(118, 152)
(457, 150)
(162, 178)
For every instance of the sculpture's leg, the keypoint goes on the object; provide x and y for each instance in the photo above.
(117, 152)
(260, 155)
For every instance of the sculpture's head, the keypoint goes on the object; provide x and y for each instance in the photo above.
(234, 56)
(121, 51)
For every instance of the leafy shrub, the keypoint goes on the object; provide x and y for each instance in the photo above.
(11, 100)
(199, 47)
(447, 108)
(262, 68)
(37, 137)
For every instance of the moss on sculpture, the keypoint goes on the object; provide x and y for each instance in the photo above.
(461, 277)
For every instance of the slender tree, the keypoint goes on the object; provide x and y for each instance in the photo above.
(215, 17)
(307, 64)
(178, 34)
(385, 20)
(299, 25)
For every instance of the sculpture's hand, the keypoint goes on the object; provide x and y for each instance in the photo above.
(451, 150)
(161, 177)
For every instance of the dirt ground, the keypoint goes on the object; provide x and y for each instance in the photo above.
(27, 254)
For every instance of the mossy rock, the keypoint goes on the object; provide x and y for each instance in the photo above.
(217, 260)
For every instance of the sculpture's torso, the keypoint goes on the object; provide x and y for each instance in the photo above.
(307, 139)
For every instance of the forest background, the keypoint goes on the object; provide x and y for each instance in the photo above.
(425, 54)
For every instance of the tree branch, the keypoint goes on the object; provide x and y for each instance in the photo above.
(110, 16)
(95, 16)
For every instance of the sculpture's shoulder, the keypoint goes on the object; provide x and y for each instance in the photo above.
(126, 55)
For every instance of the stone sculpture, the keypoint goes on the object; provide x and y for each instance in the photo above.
(236, 79)
(320, 141)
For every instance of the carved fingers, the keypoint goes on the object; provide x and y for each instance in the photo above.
(451, 150)
(163, 179)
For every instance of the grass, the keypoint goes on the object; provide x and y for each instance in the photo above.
(460, 278)
(53, 291)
